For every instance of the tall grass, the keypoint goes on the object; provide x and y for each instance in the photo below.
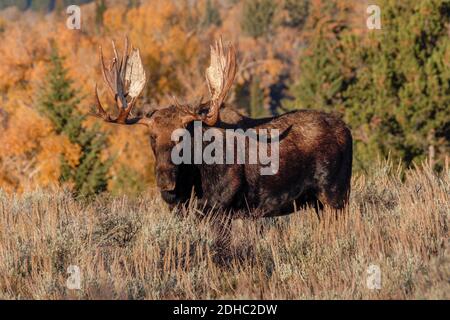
(138, 249)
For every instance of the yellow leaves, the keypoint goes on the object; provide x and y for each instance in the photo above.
(19, 50)
(174, 56)
(272, 66)
(31, 151)
(113, 18)
(130, 147)
(23, 132)
(162, 36)
(52, 148)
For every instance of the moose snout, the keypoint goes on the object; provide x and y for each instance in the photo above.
(166, 179)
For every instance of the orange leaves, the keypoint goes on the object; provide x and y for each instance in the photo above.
(113, 18)
(51, 149)
(130, 147)
(174, 47)
(31, 151)
(19, 50)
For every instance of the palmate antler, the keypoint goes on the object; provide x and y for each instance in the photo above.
(219, 77)
(126, 79)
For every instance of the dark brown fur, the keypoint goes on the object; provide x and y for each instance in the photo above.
(315, 165)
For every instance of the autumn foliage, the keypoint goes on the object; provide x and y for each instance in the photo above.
(292, 54)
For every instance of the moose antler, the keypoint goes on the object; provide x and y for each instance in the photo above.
(219, 77)
(125, 78)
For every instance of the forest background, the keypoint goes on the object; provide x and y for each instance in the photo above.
(391, 85)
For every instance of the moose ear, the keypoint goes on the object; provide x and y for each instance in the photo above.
(188, 113)
(188, 118)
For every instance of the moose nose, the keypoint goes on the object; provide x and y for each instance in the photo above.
(166, 180)
(167, 187)
(169, 196)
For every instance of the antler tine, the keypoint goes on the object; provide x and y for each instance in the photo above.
(219, 77)
(117, 78)
(221, 52)
(124, 113)
(123, 65)
(101, 113)
(230, 71)
(176, 102)
(116, 55)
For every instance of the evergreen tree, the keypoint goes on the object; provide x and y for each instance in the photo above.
(212, 15)
(58, 102)
(392, 85)
(400, 99)
(258, 17)
(100, 8)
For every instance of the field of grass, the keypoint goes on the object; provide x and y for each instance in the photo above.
(138, 249)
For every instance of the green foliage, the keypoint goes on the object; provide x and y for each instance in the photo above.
(129, 182)
(392, 86)
(58, 102)
(322, 79)
(399, 100)
(100, 8)
(297, 12)
(211, 15)
(258, 17)
(58, 99)
(256, 99)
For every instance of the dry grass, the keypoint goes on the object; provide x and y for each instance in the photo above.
(137, 249)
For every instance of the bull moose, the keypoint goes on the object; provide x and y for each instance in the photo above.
(315, 148)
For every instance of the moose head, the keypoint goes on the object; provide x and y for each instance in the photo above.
(126, 79)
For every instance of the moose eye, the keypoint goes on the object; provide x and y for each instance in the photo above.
(150, 113)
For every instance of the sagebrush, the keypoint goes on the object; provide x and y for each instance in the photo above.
(138, 249)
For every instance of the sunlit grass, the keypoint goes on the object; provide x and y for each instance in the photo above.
(138, 249)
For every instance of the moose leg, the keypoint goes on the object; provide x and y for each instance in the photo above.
(334, 200)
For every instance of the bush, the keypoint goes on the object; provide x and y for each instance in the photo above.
(258, 17)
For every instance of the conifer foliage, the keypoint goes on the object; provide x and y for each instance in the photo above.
(258, 17)
(392, 85)
(58, 102)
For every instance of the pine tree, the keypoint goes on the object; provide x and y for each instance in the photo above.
(58, 99)
(392, 85)
(399, 103)
(324, 76)
(212, 15)
(58, 102)
(256, 99)
(258, 17)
